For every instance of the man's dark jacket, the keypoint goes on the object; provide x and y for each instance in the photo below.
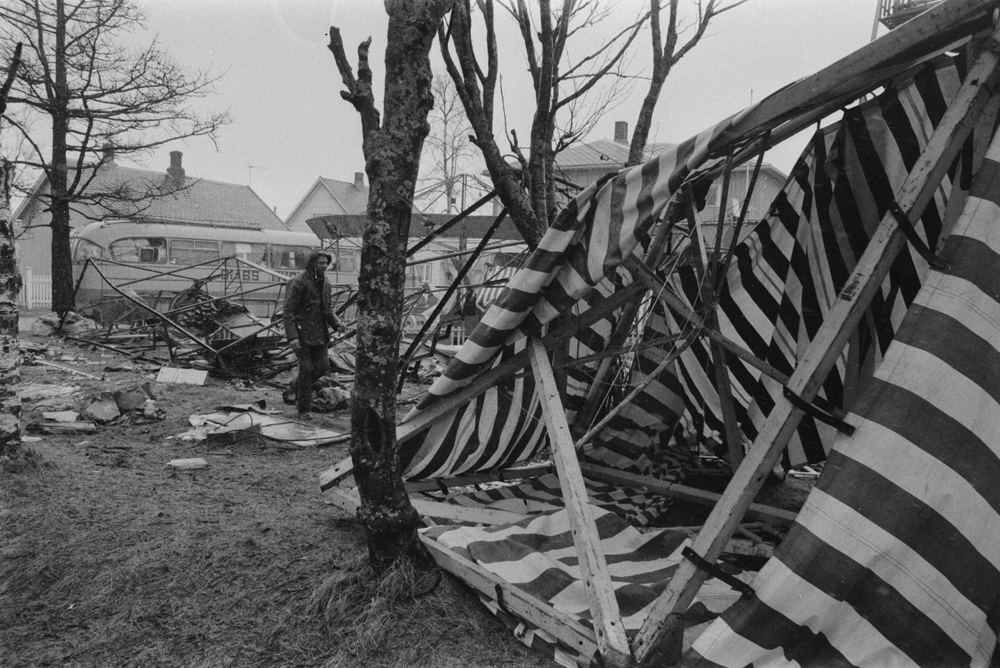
(308, 310)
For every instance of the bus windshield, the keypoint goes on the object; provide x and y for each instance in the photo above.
(86, 249)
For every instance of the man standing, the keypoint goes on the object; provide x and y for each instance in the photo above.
(308, 312)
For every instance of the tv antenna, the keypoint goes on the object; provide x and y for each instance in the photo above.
(250, 169)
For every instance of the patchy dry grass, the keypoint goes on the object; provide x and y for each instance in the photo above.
(109, 559)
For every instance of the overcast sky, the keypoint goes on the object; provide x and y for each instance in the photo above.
(281, 85)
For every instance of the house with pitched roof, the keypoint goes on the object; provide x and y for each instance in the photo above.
(329, 197)
(585, 162)
(118, 192)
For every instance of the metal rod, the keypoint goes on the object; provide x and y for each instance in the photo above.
(404, 360)
(451, 223)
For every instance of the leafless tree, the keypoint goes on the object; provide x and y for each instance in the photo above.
(97, 91)
(10, 289)
(667, 51)
(392, 151)
(447, 147)
(528, 187)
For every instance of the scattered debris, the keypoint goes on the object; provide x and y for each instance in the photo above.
(182, 376)
(328, 395)
(74, 324)
(44, 391)
(103, 409)
(230, 428)
(61, 416)
(68, 369)
(191, 328)
(53, 427)
(188, 464)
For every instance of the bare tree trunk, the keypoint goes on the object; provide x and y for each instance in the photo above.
(62, 260)
(10, 289)
(10, 292)
(392, 161)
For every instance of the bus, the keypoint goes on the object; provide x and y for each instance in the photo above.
(158, 261)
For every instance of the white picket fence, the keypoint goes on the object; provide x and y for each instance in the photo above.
(36, 290)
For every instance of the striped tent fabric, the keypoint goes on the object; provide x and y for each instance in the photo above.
(632, 439)
(583, 250)
(895, 559)
(579, 252)
(786, 274)
(538, 556)
(542, 494)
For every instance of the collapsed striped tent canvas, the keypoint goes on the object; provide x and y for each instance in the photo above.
(787, 273)
(538, 556)
(894, 559)
(578, 263)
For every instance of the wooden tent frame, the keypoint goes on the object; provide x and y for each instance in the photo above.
(658, 642)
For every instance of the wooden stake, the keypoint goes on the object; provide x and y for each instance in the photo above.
(610, 631)
(658, 641)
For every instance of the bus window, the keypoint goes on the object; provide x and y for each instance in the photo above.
(289, 257)
(193, 251)
(144, 250)
(86, 249)
(256, 253)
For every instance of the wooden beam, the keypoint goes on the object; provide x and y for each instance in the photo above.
(937, 30)
(658, 640)
(489, 378)
(611, 637)
(756, 511)
(349, 501)
(563, 627)
(514, 473)
(475, 514)
(734, 437)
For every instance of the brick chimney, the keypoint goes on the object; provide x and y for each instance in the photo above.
(108, 154)
(359, 180)
(175, 172)
(621, 132)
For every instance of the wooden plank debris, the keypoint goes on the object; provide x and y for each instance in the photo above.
(756, 511)
(611, 637)
(537, 612)
(182, 376)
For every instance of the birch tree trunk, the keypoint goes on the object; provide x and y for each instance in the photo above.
(10, 289)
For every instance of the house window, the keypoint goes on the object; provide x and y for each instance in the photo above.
(346, 261)
(422, 273)
(193, 251)
(289, 257)
(139, 250)
(256, 253)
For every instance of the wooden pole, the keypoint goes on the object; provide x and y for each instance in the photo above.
(607, 620)
(709, 297)
(658, 641)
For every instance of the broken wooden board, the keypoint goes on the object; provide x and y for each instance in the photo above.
(756, 511)
(182, 376)
(608, 627)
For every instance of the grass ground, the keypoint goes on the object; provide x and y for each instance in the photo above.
(108, 558)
